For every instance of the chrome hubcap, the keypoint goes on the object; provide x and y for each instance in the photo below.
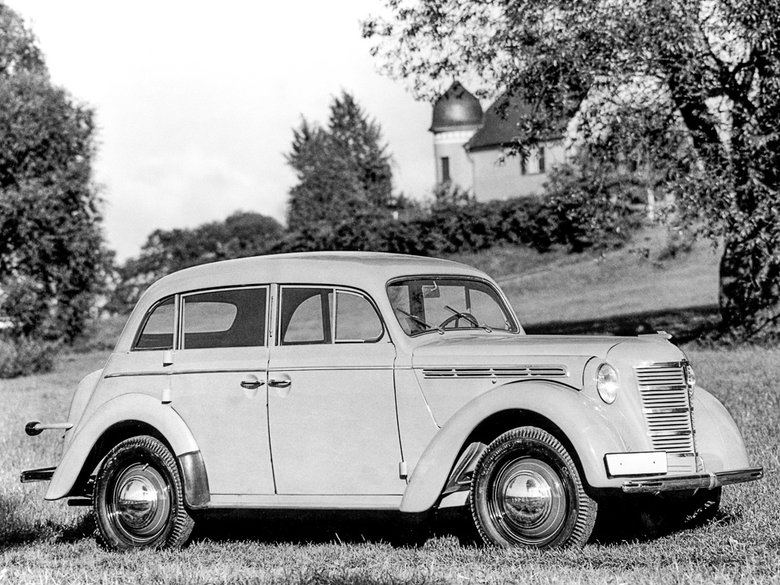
(528, 503)
(141, 503)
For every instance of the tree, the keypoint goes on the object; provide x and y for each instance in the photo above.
(241, 234)
(52, 258)
(342, 170)
(709, 70)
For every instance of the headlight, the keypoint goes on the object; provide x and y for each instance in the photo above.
(607, 383)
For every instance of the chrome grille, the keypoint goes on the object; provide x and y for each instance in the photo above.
(666, 406)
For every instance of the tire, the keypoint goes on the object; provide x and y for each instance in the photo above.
(549, 506)
(139, 497)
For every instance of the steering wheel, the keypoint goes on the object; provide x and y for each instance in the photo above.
(457, 317)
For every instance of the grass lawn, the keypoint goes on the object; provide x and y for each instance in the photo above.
(42, 542)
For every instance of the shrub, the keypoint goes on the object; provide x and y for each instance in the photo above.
(25, 356)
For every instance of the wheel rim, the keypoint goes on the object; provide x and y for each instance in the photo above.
(140, 505)
(527, 502)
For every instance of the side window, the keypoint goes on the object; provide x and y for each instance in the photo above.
(356, 319)
(224, 318)
(157, 330)
(305, 316)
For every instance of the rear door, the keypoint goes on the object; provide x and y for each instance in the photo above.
(218, 385)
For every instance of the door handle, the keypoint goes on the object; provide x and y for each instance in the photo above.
(252, 383)
(280, 381)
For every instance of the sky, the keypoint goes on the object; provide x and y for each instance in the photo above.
(195, 101)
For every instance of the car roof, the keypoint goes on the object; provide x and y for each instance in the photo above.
(366, 270)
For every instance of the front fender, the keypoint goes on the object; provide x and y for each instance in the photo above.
(582, 420)
(718, 440)
(135, 407)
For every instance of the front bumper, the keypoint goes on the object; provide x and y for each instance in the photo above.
(656, 484)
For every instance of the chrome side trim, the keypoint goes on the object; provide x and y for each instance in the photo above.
(652, 485)
(521, 371)
(131, 374)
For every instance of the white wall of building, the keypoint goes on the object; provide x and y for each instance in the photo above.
(495, 178)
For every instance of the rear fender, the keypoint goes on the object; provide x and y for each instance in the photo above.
(128, 407)
(580, 419)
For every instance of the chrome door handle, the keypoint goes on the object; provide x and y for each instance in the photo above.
(252, 383)
(280, 381)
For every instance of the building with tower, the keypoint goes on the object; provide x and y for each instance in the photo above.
(471, 147)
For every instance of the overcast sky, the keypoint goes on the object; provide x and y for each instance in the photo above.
(196, 101)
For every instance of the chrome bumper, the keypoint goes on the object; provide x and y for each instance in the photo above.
(655, 484)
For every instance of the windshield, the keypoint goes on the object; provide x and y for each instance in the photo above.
(423, 304)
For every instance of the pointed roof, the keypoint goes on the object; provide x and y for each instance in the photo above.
(501, 122)
(456, 109)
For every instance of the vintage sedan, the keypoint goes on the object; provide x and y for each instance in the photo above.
(377, 381)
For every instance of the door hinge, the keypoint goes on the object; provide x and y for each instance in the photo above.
(403, 473)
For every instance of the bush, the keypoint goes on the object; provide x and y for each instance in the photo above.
(25, 356)
(452, 227)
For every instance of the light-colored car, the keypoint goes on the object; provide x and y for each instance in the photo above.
(383, 382)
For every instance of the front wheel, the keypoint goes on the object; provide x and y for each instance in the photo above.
(139, 498)
(526, 490)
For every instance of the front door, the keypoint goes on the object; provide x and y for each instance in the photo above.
(331, 397)
(218, 386)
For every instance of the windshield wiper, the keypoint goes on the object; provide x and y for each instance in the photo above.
(468, 317)
(421, 321)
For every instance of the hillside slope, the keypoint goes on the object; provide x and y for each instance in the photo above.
(640, 287)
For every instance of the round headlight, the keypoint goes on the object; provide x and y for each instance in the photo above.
(607, 383)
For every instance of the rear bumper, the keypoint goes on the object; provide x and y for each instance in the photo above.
(40, 474)
(651, 485)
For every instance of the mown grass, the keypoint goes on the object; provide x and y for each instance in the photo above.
(44, 542)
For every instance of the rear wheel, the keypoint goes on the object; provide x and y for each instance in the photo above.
(139, 498)
(527, 491)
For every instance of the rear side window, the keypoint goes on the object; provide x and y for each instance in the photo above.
(224, 318)
(157, 330)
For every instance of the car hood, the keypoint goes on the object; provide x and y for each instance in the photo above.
(506, 349)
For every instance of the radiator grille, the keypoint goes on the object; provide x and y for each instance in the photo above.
(667, 408)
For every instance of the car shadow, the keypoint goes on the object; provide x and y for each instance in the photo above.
(684, 325)
(618, 524)
(615, 526)
(313, 526)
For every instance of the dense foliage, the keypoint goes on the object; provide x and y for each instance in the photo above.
(51, 250)
(447, 228)
(342, 169)
(695, 81)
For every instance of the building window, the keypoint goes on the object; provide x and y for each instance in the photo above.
(445, 169)
(541, 159)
